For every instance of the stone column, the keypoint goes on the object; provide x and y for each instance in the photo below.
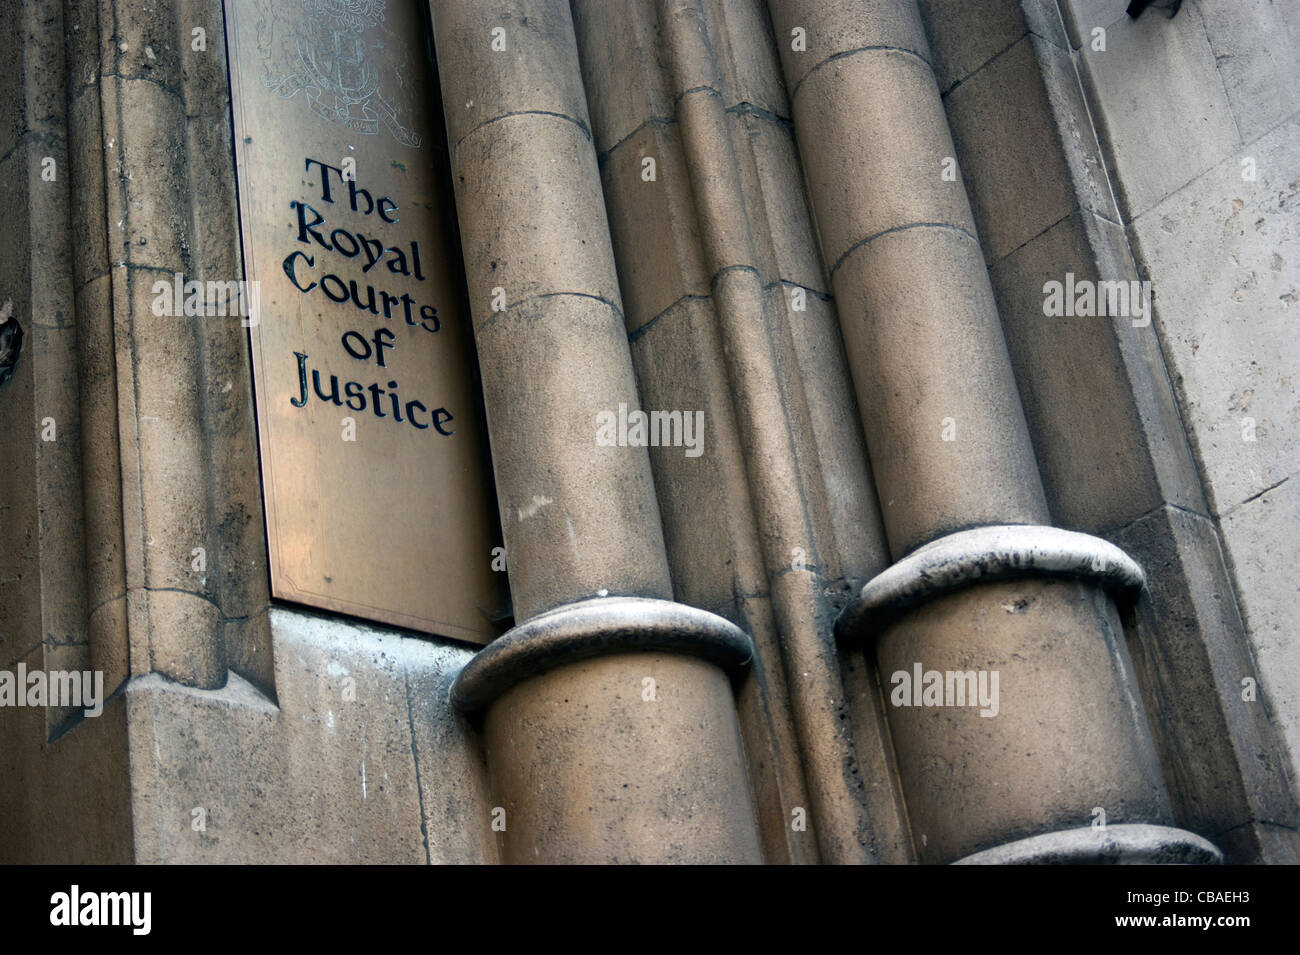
(983, 586)
(175, 552)
(608, 719)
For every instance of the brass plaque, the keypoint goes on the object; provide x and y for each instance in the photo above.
(373, 460)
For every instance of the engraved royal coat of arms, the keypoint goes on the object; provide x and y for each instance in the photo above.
(328, 46)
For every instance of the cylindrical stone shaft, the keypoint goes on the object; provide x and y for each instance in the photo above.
(945, 429)
(951, 451)
(580, 517)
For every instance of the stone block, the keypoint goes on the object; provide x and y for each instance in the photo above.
(1106, 434)
(147, 169)
(86, 197)
(847, 487)
(967, 35)
(100, 451)
(1254, 44)
(746, 56)
(1159, 105)
(778, 212)
(146, 44)
(1061, 734)
(834, 30)
(335, 773)
(555, 483)
(653, 225)
(1016, 163)
(1260, 539)
(622, 71)
(665, 784)
(168, 424)
(81, 31)
(182, 633)
(907, 295)
(1223, 256)
(65, 801)
(531, 213)
(1219, 753)
(535, 69)
(704, 501)
(848, 133)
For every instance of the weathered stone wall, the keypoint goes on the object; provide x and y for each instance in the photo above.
(294, 738)
(1198, 119)
(63, 781)
(360, 759)
(1109, 430)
